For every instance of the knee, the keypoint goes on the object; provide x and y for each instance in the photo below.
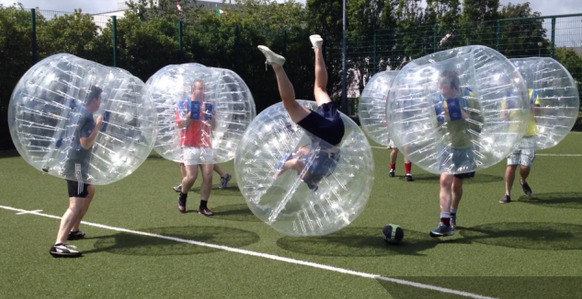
(446, 183)
(207, 173)
(321, 95)
(75, 205)
(190, 178)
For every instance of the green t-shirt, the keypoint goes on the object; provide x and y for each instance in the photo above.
(461, 129)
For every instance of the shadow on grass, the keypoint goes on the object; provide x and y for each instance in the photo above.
(526, 235)
(358, 242)
(434, 178)
(9, 154)
(566, 200)
(362, 242)
(230, 190)
(500, 287)
(173, 241)
(238, 212)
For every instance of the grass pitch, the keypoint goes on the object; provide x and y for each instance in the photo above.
(139, 246)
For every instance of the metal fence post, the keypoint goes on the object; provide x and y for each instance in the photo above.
(114, 23)
(285, 42)
(344, 101)
(236, 47)
(34, 42)
(553, 38)
(180, 35)
(374, 55)
(434, 37)
(498, 36)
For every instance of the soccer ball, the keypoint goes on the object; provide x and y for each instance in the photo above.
(392, 233)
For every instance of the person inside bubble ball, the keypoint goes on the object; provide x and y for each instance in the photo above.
(394, 150)
(196, 119)
(224, 177)
(77, 166)
(524, 155)
(318, 160)
(456, 160)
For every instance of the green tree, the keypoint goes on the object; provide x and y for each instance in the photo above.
(226, 40)
(475, 25)
(70, 33)
(144, 47)
(147, 10)
(15, 48)
(281, 27)
(573, 63)
(520, 38)
(445, 14)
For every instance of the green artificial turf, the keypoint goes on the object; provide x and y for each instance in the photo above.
(139, 246)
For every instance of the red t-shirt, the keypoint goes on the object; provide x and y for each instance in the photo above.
(196, 134)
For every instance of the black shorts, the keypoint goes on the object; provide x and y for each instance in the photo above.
(325, 123)
(76, 189)
(466, 175)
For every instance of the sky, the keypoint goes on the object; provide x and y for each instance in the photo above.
(545, 7)
(87, 6)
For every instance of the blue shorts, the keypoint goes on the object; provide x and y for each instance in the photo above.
(458, 161)
(322, 166)
(325, 123)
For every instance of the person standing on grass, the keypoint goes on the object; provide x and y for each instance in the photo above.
(224, 177)
(457, 154)
(393, 157)
(395, 150)
(325, 123)
(77, 166)
(196, 120)
(524, 155)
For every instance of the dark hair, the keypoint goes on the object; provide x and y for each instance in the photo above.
(94, 94)
(404, 63)
(450, 77)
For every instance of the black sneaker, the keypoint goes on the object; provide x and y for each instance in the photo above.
(505, 199)
(442, 230)
(177, 188)
(311, 186)
(64, 250)
(409, 177)
(205, 212)
(526, 188)
(182, 203)
(391, 173)
(76, 235)
(453, 220)
(224, 181)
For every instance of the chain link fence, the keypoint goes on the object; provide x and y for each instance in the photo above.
(386, 49)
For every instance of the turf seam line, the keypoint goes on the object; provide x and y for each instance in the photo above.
(264, 255)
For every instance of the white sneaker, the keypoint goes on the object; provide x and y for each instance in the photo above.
(316, 40)
(271, 56)
(64, 250)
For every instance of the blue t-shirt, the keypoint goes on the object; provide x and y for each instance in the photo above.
(77, 154)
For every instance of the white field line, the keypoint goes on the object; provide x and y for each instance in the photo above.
(262, 255)
(541, 155)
